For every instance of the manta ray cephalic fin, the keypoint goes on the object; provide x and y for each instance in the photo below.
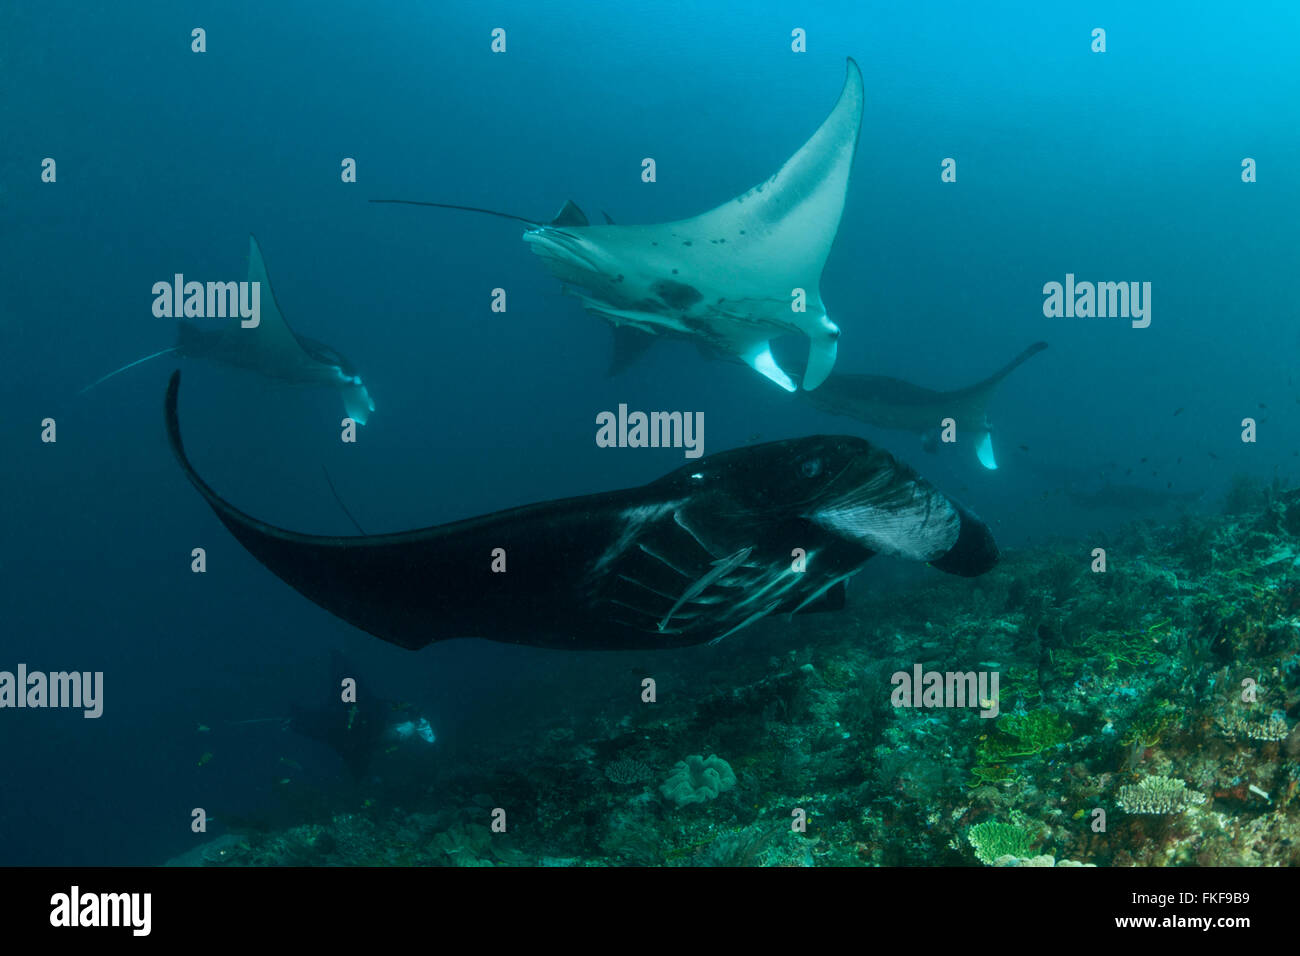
(984, 450)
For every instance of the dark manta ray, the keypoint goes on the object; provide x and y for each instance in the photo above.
(692, 557)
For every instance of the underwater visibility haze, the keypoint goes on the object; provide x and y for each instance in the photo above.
(701, 436)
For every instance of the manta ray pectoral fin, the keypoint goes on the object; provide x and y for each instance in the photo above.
(759, 358)
(822, 348)
(984, 450)
(780, 234)
(271, 342)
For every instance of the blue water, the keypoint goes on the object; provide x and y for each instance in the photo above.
(1116, 166)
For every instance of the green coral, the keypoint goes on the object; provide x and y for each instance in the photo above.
(1149, 724)
(993, 840)
(1035, 731)
(991, 773)
(1023, 735)
(1022, 682)
(1122, 647)
(1016, 736)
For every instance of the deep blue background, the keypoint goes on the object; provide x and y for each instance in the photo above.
(1122, 166)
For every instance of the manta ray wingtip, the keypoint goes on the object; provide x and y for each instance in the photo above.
(852, 73)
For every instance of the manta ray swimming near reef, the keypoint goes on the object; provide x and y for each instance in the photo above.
(271, 349)
(360, 730)
(893, 403)
(693, 557)
(731, 278)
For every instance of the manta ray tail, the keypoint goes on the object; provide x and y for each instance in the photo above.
(569, 214)
(1011, 366)
(334, 491)
(447, 205)
(138, 361)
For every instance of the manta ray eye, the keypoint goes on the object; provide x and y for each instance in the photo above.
(811, 468)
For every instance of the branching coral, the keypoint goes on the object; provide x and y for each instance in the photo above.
(994, 840)
(1158, 795)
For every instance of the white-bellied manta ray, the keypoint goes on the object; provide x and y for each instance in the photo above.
(693, 557)
(270, 348)
(731, 278)
(893, 403)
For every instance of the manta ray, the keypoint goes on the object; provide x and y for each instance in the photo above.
(693, 557)
(357, 731)
(271, 348)
(731, 278)
(893, 403)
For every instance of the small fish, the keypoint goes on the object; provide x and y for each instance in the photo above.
(1144, 461)
(1214, 456)
(1177, 413)
(1262, 405)
(1024, 448)
(204, 759)
(204, 728)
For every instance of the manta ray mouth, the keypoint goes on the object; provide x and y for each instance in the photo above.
(563, 250)
(909, 521)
